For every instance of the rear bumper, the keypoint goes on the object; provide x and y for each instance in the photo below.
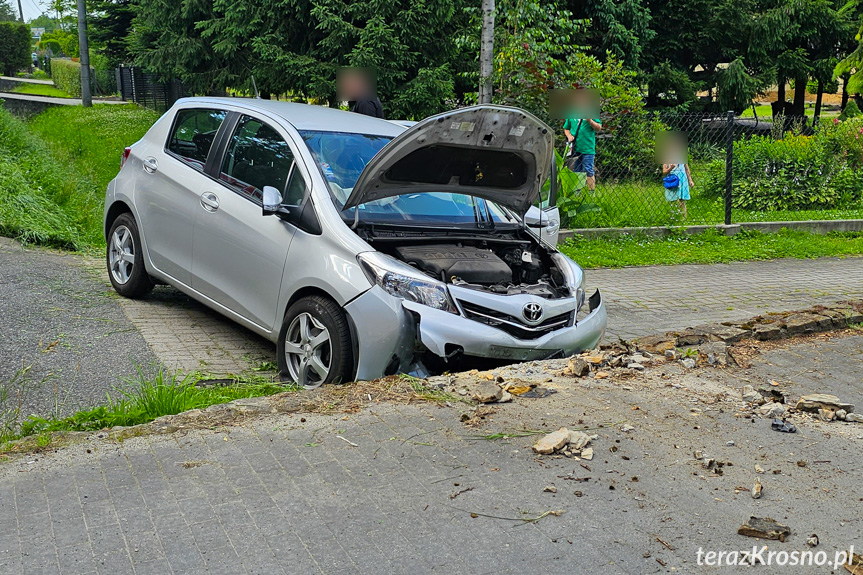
(442, 332)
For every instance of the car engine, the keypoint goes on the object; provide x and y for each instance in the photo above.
(511, 268)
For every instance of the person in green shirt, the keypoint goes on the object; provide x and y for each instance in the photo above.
(581, 133)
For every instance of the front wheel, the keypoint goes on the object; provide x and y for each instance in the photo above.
(315, 343)
(125, 259)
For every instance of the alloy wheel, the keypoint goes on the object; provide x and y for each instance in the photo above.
(308, 351)
(121, 255)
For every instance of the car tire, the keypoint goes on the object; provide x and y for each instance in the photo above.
(125, 259)
(314, 345)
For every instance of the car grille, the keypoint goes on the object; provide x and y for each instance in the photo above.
(513, 325)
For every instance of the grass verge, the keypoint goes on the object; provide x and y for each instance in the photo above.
(709, 247)
(41, 90)
(54, 171)
(144, 399)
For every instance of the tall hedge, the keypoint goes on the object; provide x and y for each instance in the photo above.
(67, 76)
(14, 47)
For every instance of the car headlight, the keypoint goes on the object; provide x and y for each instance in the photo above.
(405, 282)
(573, 276)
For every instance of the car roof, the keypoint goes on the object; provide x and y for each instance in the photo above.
(309, 117)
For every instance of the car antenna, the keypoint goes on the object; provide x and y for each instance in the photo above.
(255, 87)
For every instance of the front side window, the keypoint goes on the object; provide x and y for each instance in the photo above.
(258, 156)
(193, 133)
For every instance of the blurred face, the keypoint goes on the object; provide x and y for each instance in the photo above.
(581, 104)
(671, 148)
(355, 84)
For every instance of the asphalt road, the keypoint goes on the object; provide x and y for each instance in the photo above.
(65, 339)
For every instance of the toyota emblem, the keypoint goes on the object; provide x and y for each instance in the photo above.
(532, 312)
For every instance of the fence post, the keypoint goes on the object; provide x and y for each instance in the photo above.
(729, 163)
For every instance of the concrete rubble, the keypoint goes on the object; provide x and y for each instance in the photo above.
(575, 442)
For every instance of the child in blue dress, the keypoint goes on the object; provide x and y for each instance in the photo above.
(679, 168)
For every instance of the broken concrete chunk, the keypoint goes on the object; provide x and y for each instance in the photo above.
(550, 489)
(768, 331)
(764, 528)
(749, 395)
(587, 453)
(552, 442)
(578, 439)
(757, 489)
(772, 410)
(841, 414)
(576, 367)
(688, 363)
(854, 418)
(802, 322)
(783, 426)
(656, 343)
(636, 366)
(488, 393)
(816, 401)
(714, 352)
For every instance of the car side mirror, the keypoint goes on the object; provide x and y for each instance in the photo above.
(272, 201)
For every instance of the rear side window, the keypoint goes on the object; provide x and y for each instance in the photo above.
(258, 156)
(193, 134)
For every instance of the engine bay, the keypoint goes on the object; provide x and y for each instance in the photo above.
(502, 265)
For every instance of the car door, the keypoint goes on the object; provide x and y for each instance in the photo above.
(238, 253)
(168, 192)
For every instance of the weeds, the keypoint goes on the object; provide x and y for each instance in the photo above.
(146, 398)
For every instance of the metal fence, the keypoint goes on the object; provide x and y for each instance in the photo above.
(145, 89)
(629, 190)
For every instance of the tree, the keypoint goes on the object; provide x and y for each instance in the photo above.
(7, 13)
(14, 47)
(110, 22)
(621, 28)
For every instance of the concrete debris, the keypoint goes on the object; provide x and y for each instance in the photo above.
(575, 442)
(688, 363)
(550, 489)
(578, 439)
(657, 343)
(812, 540)
(772, 410)
(854, 418)
(756, 489)
(554, 441)
(764, 528)
(758, 469)
(626, 428)
(636, 366)
(488, 393)
(577, 367)
(670, 354)
(749, 395)
(714, 353)
(841, 414)
(816, 401)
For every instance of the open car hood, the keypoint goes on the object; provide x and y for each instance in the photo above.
(498, 153)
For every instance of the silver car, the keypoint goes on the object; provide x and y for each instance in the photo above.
(361, 247)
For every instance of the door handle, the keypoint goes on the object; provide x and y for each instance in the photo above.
(209, 201)
(150, 165)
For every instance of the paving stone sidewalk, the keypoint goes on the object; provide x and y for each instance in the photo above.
(187, 336)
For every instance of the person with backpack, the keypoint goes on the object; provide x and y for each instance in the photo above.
(581, 134)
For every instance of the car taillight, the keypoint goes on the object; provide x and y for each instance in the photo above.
(125, 156)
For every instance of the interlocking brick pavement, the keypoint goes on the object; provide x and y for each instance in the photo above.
(187, 336)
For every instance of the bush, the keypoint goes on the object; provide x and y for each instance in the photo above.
(14, 47)
(796, 172)
(67, 76)
(852, 110)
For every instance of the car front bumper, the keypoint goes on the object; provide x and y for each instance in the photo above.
(442, 332)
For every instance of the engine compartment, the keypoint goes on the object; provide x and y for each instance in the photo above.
(502, 265)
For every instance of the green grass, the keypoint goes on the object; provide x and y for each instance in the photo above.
(41, 90)
(54, 171)
(709, 247)
(766, 112)
(145, 399)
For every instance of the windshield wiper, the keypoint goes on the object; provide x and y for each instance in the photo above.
(484, 221)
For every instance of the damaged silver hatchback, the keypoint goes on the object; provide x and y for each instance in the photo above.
(360, 247)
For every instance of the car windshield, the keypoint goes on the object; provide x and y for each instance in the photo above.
(342, 156)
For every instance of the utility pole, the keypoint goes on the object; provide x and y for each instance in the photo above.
(21, 11)
(486, 52)
(84, 49)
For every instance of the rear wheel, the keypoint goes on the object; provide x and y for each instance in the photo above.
(125, 259)
(315, 343)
